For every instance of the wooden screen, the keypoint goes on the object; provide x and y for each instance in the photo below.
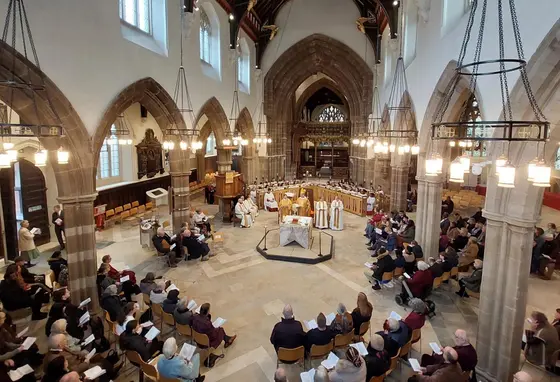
(34, 200)
(9, 228)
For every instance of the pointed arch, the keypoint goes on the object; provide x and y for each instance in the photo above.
(218, 122)
(323, 82)
(150, 94)
(249, 157)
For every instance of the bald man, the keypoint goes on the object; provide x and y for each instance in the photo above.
(288, 333)
(280, 375)
(449, 370)
(467, 353)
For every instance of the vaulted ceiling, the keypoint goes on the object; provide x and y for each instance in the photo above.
(257, 18)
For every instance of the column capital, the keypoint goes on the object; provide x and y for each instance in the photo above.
(180, 173)
(431, 180)
(88, 198)
(513, 221)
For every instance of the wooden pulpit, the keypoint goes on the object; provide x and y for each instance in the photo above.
(229, 186)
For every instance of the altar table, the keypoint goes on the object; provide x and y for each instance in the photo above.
(300, 232)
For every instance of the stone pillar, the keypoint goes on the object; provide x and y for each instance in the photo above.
(224, 160)
(503, 297)
(79, 229)
(381, 173)
(428, 214)
(179, 171)
(399, 187)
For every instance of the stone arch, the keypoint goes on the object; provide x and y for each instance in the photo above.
(218, 122)
(314, 54)
(249, 158)
(324, 82)
(150, 94)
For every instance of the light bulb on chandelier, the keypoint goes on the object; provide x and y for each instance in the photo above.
(400, 150)
(542, 175)
(5, 160)
(456, 173)
(434, 165)
(13, 154)
(62, 156)
(531, 168)
(506, 176)
(183, 145)
(500, 162)
(41, 158)
(406, 148)
(356, 141)
(466, 163)
(392, 148)
(8, 145)
(415, 150)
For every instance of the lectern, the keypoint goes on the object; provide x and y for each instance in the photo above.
(228, 186)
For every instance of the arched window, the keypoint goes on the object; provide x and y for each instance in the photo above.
(137, 13)
(244, 67)
(211, 146)
(471, 113)
(109, 157)
(205, 37)
(557, 160)
(331, 114)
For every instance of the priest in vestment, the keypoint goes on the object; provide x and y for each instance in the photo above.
(243, 213)
(321, 211)
(337, 213)
(285, 207)
(370, 204)
(269, 201)
(251, 207)
(304, 205)
(253, 194)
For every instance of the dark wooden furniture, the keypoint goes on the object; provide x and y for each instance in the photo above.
(127, 193)
(149, 156)
(226, 192)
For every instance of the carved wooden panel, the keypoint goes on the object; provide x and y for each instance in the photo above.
(149, 153)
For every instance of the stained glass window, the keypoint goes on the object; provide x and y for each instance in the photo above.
(137, 13)
(205, 37)
(331, 114)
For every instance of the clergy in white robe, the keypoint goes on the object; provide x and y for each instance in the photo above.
(243, 213)
(370, 204)
(337, 213)
(253, 194)
(251, 207)
(270, 203)
(321, 212)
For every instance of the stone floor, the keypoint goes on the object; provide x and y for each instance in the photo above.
(250, 292)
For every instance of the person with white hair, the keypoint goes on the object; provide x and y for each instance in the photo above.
(182, 314)
(377, 359)
(471, 282)
(419, 284)
(280, 375)
(395, 335)
(158, 295)
(449, 370)
(201, 220)
(270, 203)
(343, 322)
(111, 302)
(467, 353)
(172, 365)
(243, 214)
(287, 333)
(522, 376)
(163, 242)
(57, 346)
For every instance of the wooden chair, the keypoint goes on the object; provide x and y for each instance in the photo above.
(109, 214)
(141, 210)
(394, 362)
(133, 211)
(437, 282)
(168, 319)
(320, 351)
(202, 342)
(144, 368)
(405, 349)
(112, 326)
(381, 378)
(146, 298)
(416, 337)
(150, 371)
(398, 272)
(164, 379)
(184, 330)
(149, 205)
(364, 327)
(52, 279)
(135, 203)
(118, 210)
(124, 215)
(454, 272)
(446, 276)
(127, 206)
(157, 310)
(290, 356)
(343, 340)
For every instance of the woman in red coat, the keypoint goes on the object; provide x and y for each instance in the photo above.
(202, 323)
(419, 284)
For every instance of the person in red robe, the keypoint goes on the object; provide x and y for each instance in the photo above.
(115, 274)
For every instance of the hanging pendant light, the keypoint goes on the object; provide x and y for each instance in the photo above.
(355, 141)
(531, 168)
(392, 148)
(5, 161)
(183, 145)
(400, 150)
(434, 165)
(8, 145)
(452, 144)
(415, 150)
(13, 154)
(506, 176)
(62, 156)
(500, 162)
(456, 172)
(41, 158)
(226, 142)
(466, 162)
(363, 143)
(406, 148)
(542, 175)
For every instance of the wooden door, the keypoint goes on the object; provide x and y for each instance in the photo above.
(34, 200)
(9, 228)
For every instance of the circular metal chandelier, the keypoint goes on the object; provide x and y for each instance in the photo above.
(468, 131)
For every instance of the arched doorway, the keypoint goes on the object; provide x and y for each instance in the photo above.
(310, 56)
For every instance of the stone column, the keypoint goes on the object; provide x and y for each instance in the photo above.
(224, 160)
(428, 214)
(381, 173)
(79, 229)
(399, 187)
(503, 297)
(179, 171)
